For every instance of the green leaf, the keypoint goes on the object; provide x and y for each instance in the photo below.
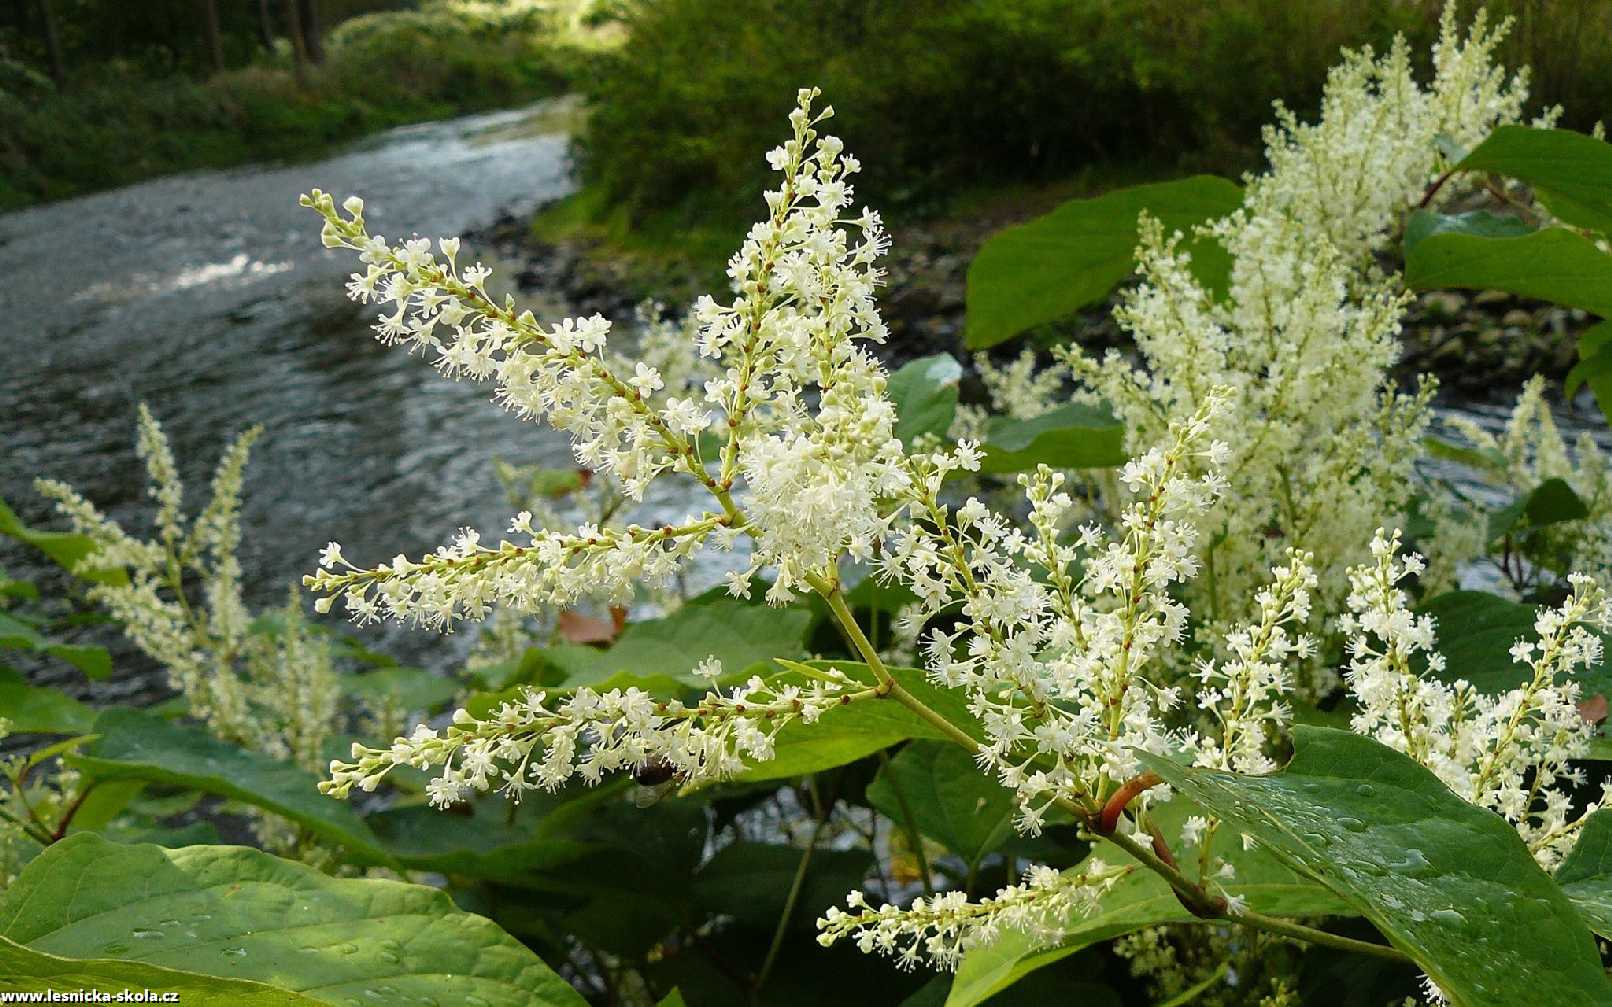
(23, 970)
(489, 839)
(951, 801)
(1074, 436)
(242, 914)
(737, 634)
(1053, 266)
(36, 709)
(64, 548)
(1475, 634)
(1594, 366)
(1552, 264)
(847, 733)
(1551, 502)
(1487, 459)
(1586, 873)
(1142, 899)
(16, 634)
(1448, 883)
(672, 999)
(750, 882)
(134, 745)
(634, 884)
(1570, 173)
(1423, 224)
(925, 395)
(409, 689)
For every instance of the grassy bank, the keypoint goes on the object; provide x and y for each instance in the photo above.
(112, 125)
(946, 100)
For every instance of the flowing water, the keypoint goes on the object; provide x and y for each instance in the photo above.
(209, 297)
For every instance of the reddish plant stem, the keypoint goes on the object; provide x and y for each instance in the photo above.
(1108, 818)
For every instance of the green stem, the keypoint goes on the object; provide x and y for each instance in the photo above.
(910, 826)
(1310, 935)
(789, 905)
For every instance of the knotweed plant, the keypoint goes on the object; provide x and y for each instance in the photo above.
(1511, 752)
(180, 603)
(1177, 629)
(1320, 443)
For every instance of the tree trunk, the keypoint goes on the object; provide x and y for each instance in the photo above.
(215, 41)
(311, 41)
(265, 25)
(53, 44)
(299, 48)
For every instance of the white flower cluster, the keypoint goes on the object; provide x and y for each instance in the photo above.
(941, 928)
(466, 579)
(536, 742)
(1508, 751)
(276, 696)
(805, 437)
(1528, 452)
(1059, 644)
(1246, 694)
(1320, 444)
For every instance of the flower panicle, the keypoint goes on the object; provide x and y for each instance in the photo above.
(541, 741)
(941, 928)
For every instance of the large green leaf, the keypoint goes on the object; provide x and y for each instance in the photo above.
(1570, 173)
(407, 689)
(23, 970)
(1449, 883)
(1586, 874)
(134, 745)
(1551, 502)
(242, 914)
(1142, 899)
(1475, 634)
(737, 634)
(35, 709)
(15, 634)
(1074, 436)
(847, 733)
(65, 548)
(1553, 264)
(488, 838)
(1424, 224)
(749, 882)
(951, 801)
(1594, 366)
(634, 884)
(1055, 265)
(924, 392)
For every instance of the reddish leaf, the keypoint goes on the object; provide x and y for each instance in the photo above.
(1593, 709)
(575, 627)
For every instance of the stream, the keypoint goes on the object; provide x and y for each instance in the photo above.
(209, 297)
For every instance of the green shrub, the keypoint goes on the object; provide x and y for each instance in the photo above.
(943, 95)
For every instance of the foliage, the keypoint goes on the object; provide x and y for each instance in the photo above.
(1033, 681)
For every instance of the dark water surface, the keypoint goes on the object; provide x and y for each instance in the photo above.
(209, 297)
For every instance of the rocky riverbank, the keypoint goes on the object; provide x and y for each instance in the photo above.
(1476, 344)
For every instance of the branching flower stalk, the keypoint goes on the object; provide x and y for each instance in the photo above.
(1509, 751)
(276, 694)
(1070, 645)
